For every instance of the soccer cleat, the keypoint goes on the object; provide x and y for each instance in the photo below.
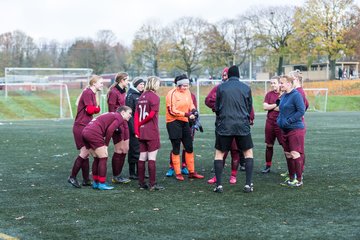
(156, 187)
(95, 185)
(195, 175)
(104, 186)
(86, 183)
(212, 180)
(179, 177)
(242, 168)
(286, 182)
(285, 174)
(170, 172)
(143, 186)
(73, 181)
(232, 179)
(133, 177)
(119, 179)
(266, 170)
(248, 189)
(218, 189)
(185, 171)
(295, 183)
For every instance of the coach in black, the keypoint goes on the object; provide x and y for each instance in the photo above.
(233, 106)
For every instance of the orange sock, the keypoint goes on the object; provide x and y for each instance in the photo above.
(176, 163)
(189, 158)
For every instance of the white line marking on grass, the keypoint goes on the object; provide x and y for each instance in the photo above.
(7, 237)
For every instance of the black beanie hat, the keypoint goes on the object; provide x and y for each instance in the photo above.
(137, 81)
(233, 72)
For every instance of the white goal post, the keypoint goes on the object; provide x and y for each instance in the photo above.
(41, 96)
(318, 98)
(45, 90)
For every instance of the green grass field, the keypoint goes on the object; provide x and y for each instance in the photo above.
(37, 202)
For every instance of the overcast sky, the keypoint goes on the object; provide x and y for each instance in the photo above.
(66, 20)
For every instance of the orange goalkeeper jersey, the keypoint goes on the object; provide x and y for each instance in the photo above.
(178, 104)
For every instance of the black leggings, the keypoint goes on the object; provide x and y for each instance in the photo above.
(180, 132)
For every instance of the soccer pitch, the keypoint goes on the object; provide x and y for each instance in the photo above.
(37, 202)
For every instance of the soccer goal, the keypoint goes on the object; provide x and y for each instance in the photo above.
(258, 88)
(41, 93)
(317, 98)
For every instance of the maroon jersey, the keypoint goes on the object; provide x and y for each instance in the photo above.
(302, 92)
(193, 97)
(270, 98)
(116, 98)
(87, 98)
(211, 98)
(149, 101)
(103, 126)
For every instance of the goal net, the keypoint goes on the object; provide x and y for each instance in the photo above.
(41, 93)
(258, 89)
(317, 98)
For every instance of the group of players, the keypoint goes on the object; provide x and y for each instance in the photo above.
(139, 136)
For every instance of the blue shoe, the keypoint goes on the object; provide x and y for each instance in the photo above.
(185, 171)
(104, 186)
(170, 172)
(95, 185)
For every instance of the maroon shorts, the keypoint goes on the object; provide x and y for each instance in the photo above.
(294, 140)
(121, 135)
(77, 131)
(272, 132)
(149, 145)
(92, 140)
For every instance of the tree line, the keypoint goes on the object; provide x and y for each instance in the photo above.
(320, 30)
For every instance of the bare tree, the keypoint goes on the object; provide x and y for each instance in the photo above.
(16, 49)
(187, 45)
(147, 47)
(104, 55)
(82, 54)
(273, 26)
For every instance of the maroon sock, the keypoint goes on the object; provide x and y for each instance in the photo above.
(102, 169)
(268, 155)
(152, 172)
(299, 167)
(76, 167)
(288, 163)
(94, 169)
(117, 161)
(141, 172)
(292, 168)
(85, 169)
(235, 160)
(303, 161)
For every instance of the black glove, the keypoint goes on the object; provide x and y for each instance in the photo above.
(277, 102)
(195, 112)
(197, 125)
